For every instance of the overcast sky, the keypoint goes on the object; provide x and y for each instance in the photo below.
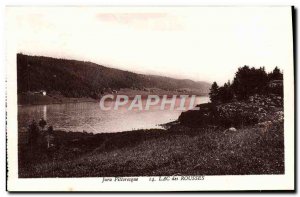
(200, 43)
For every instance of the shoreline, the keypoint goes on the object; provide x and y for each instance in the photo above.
(35, 100)
(31, 100)
(57, 103)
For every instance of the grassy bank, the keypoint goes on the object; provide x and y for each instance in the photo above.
(179, 150)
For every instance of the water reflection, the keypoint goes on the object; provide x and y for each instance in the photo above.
(45, 112)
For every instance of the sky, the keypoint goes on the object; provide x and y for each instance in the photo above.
(198, 43)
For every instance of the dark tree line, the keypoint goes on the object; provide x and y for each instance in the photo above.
(247, 81)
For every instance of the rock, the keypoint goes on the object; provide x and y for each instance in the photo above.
(232, 129)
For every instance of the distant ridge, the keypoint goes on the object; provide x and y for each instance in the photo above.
(74, 78)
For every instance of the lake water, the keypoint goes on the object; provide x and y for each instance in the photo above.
(89, 117)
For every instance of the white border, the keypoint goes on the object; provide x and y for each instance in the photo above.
(248, 182)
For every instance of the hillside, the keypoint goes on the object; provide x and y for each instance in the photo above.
(73, 78)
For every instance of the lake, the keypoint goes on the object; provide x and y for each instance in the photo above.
(87, 116)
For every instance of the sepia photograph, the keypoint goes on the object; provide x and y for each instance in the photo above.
(150, 98)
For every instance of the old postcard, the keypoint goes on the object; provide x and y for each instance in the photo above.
(150, 98)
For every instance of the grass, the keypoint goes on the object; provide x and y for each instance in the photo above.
(179, 150)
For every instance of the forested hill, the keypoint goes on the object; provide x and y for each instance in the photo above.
(74, 78)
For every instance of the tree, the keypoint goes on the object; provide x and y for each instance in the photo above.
(249, 81)
(275, 74)
(226, 93)
(214, 92)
